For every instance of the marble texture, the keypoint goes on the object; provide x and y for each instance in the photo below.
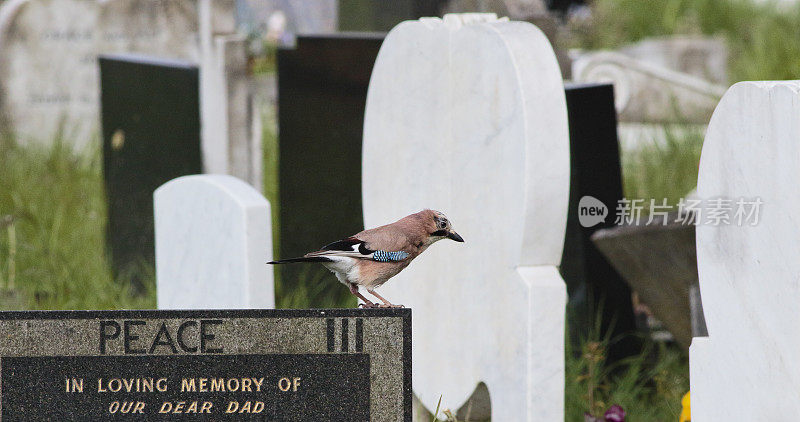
(467, 115)
(748, 367)
(213, 241)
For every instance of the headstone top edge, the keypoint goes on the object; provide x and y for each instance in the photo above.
(242, 191)
(210, 313)
(146, 59)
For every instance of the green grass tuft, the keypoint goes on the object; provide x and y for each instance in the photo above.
(52, 243)
(663, 168)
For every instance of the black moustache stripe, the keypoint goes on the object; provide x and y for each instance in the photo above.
(439, 233)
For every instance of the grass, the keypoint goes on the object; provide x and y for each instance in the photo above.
(764, 40)
(648, 386)
(52, 245)
(663, 168)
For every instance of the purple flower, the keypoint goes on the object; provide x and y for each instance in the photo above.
(615, 414)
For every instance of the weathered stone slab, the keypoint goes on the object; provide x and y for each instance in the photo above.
(49, 76)
(294, 365)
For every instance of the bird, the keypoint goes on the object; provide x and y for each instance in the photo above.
(371, 257)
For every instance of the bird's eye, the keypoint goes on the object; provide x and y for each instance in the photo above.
(443, 224)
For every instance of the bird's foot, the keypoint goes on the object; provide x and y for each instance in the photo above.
(389, 305)
(367, 305)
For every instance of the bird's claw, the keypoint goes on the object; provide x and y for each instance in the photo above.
(366, 305)
(389, 305)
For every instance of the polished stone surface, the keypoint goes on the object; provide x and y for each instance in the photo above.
(293, 365)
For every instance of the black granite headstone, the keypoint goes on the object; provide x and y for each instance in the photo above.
(381, 15)
(322, 92)
(291, 365)
(151, 134)
(595, 289)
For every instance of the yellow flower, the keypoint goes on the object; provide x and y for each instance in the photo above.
(686, 411)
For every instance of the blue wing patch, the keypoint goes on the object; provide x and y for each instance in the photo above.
(384, 256)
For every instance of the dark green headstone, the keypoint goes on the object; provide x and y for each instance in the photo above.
(151, 134)
(322, 91)
(595, 289)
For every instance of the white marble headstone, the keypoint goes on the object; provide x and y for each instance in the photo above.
(467, 115)
(748, 368)
(213, 242)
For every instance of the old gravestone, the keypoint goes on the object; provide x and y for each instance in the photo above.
(213, 238)
(39, 100)
(595, 288)
(297, 365)
(467, 115)
(747, 367)
(322, 89)
(151, 134)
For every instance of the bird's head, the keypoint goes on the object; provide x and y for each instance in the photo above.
(442, 229)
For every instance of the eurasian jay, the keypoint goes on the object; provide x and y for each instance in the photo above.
(373, 256)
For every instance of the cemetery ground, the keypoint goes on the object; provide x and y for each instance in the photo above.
(52, 256)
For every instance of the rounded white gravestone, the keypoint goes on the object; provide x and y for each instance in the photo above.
(467, 115)
(213, 242)
(748, 367)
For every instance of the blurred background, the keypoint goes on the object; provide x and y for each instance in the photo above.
(103, 101)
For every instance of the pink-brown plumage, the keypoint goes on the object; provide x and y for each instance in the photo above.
(371, 257)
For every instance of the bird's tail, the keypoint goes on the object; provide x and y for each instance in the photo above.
(301, 259)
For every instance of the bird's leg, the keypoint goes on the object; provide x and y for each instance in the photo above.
(354, 291)
(386, 303)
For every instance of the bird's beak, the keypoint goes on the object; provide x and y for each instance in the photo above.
(455, 236)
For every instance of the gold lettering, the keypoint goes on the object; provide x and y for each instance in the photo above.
(179, 407)
(246, 384)
(233, 384)
(74, 385)
(111, 385)
(166, 407)
(206, 407)
(100, 388)
(147, 385)
(139, 407)
(113, 407)
(246, 407)
(161, 384)
(188, 385)
(259, 407)
(258, 383)
(295, 383)
(203, 385)
(126, 407)
(192, 407)
(284, 384)
(217, 384)
(232, 407)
